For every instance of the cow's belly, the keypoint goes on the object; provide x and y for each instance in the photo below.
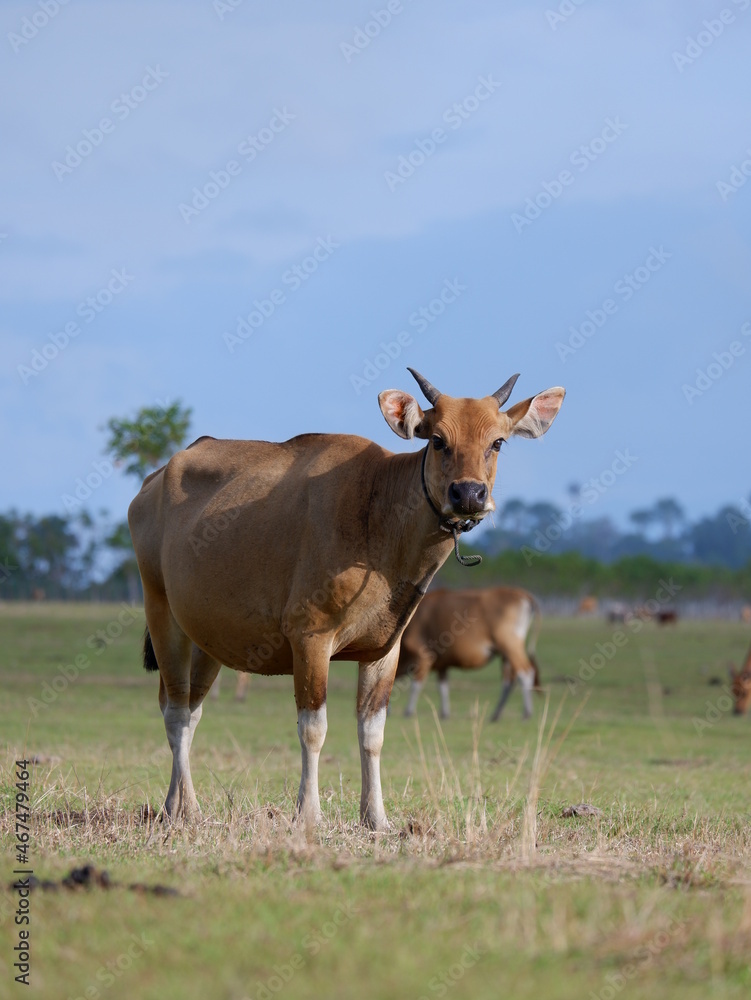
(248, 624)
(238, 637)
(465, 656)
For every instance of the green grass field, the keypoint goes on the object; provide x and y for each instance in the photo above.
(481, 889)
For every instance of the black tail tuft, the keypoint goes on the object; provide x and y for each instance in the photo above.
(149, 656)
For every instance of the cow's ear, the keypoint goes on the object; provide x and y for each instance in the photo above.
(532, 417)
(402, 413)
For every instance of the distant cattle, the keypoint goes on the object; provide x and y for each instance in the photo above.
(741, 686)
(667, 617)
(746, 613)
(466, 629)
(587, 606)
(617, 613)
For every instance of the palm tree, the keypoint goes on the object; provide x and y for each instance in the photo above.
(143, 443)
(544, 514)
(149, 439)
(514, 512)
(669, 513)
(643, 519)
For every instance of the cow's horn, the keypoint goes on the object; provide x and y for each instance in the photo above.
(505, 391)
(429, 391)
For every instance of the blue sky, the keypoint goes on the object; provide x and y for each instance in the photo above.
(570, 177)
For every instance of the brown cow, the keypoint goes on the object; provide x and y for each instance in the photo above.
(278, 558)
(741, 686)
(667, 617)
(466, 629)
(587, 606)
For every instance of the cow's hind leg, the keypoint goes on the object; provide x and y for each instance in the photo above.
(519, 665)
(507, 687)
(180, 721)
(443, 691)
(374, 685)
(311, 670)
(186, 674)
(527, 680)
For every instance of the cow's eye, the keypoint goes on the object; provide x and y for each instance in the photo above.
(438, 442)
(496, 446)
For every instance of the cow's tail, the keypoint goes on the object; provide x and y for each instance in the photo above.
(149, 656)
(532, 638)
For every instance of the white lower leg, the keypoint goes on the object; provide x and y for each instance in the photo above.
(180, 724)
(370, 735)
(413, 696)
(527, 680)
(311, 729)
(443, 690)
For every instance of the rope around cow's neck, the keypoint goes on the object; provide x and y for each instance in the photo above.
(454, 527)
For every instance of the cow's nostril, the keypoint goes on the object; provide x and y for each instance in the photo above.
(467, 497)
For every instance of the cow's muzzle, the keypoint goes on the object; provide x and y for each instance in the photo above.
(468, 498)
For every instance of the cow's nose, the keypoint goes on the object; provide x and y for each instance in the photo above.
(467, 497)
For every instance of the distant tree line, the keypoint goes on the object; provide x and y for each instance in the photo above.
(633, 579)
(661, 532)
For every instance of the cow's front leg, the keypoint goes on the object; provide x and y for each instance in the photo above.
(311, 667)
(373, 691)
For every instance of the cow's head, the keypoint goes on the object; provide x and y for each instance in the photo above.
(465, 436)
(741, 688)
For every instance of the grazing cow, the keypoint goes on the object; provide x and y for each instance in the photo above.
(741, 686)
(466, 629)
(279, 558)
(667, 617)
(617, 612)
(587, 606)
